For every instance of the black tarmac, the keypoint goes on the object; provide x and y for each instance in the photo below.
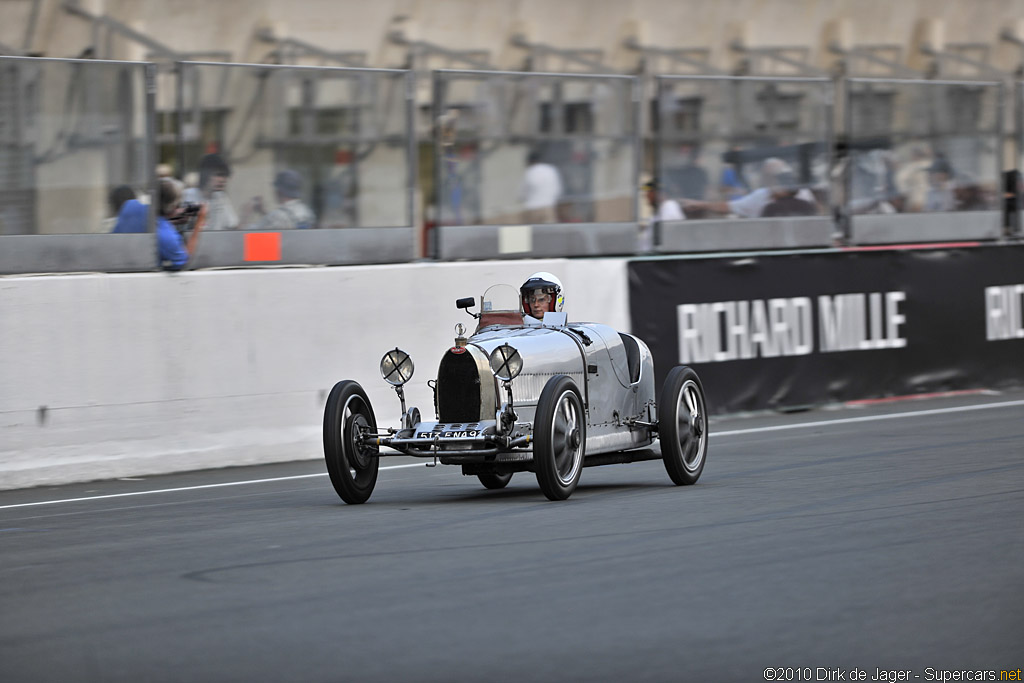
(881, 538)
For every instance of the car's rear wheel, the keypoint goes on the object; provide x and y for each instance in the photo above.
(560, 435)
(352, 462)
(683, 425)
(495, 481)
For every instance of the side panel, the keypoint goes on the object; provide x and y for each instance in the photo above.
(615, 398)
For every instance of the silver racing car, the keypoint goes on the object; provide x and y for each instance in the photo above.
(524, 394)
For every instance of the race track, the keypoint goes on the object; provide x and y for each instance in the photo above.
(884, 537)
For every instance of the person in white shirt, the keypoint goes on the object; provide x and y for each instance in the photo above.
(776, 177)
(291, 212)
(214, 174)
(541, 188)
(663, 209)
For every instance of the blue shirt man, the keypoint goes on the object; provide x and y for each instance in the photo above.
(132, 217)
(171, 252)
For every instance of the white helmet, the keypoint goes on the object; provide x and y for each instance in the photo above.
(549, 284)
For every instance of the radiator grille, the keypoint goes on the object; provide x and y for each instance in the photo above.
(458, 388)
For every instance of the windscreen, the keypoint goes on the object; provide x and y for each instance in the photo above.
(500, 299)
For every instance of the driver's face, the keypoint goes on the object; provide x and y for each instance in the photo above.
(539, 303)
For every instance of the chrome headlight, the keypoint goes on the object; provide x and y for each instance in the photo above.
(396, 367)
(505, 362)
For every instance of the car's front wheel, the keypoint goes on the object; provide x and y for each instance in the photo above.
(560, 435)
(683, 425)
(351, 461)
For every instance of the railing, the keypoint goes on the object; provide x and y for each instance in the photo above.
(501, 165)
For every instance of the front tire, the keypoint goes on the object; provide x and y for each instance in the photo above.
(560, 436)
(683, 425)
(352, 465)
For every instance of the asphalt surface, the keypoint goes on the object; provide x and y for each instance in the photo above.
(885, 537)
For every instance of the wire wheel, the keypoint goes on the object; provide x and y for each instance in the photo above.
(683, 425)
(560, 435)
(352, 460)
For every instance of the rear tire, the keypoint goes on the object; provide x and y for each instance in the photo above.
(353, 466)
(683, 425)
(560, 437)
(495, 481)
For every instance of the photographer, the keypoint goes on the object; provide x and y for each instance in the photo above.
(173, 219)
(214, 174)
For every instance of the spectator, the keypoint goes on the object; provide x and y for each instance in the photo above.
(116, 199)
(789, 200)
(731, 183)
(291, 212)
(689, 180)
(872, 182)
(214, 174)
(133, 217)
(777, 181)
(662, 209)
(971, 196)
(940, 196)
(541, 188)
(173, 250)
(912, 179)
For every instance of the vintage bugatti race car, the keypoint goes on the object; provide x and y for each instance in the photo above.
(525, 394)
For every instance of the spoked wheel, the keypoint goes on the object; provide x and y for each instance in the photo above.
(683, 425)
(560, 434)
(495, 481)
(351, 464)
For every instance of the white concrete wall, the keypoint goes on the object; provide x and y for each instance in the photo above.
(129, 374)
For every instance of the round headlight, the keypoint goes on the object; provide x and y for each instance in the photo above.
(396, 367)
(506, 363)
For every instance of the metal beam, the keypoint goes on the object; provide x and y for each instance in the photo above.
(352, 58)
(470, 58)
(778, 54)
(582, 57)
(154, 46)
(869, 54)
(984, 69)
(687, 56)
(33, 19)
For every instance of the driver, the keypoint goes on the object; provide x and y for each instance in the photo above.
(541, 293)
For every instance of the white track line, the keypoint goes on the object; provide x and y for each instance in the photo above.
(870, 418)
(733, 432)
(192, 488)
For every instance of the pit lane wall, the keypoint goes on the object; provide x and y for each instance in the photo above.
(113, 375)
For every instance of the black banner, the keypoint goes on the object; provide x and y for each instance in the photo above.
(789, 331)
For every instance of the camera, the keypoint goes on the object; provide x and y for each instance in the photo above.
(190, 209)
(187, 212)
